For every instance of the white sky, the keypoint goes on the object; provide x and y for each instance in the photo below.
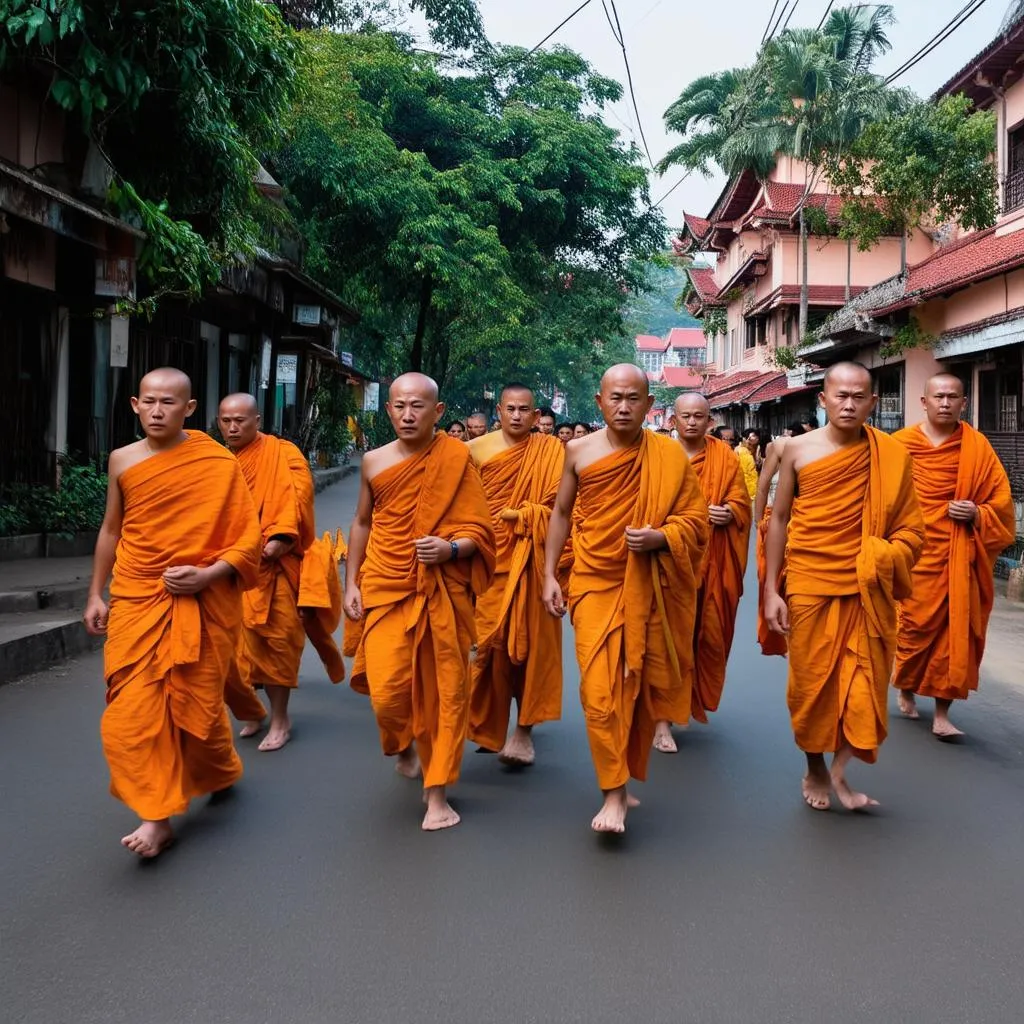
(671, 42)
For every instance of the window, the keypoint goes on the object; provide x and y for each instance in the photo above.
(1013, 186)
(999, 406)
(693, 357)
(733, 351)
(888, 415)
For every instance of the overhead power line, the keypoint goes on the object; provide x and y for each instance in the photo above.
(764, 34)
(825, 15)
(658, 202)
(792, 11)
(778, 21)
(561, 25)
(941, 36)
(629, 81)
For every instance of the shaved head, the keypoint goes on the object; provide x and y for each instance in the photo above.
(846, 369)
(625, 373)
(241, 400)
(167, 378)
(238, 417)
(692, 400)
(691, 413)
(516, 388)
(944, 381)
(476, 424)
(418, 382)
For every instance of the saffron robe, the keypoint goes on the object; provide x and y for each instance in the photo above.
(633, 613)
(770, 641)
(943, 622)
(854, 534)
(721, 586)
(166, 734)
(412, 646)
(519, 645)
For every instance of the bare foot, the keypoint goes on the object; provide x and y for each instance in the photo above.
(251, 728)
(632, 801)
(850, 798)
(518, 750)
(150, 839)
(663, 740)
(278, 736)
(612, 816)
(815, 788)
(408, 763)
(440, 814)
(907, 704)
(944, 729)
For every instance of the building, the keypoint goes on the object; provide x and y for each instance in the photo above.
(749, 300)
(963, 303)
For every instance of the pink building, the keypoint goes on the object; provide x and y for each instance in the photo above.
(676, 361)
(751, 296)
(967, 297)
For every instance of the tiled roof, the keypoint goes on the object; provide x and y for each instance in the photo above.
(687, 337)
(817, 295)
(782, 199)
(681, 377)
(991, 65)
(975, 257)
(649, 343)
(727, 381)
(697, 226)
(777, 387)
(703, 281)
(740, 392)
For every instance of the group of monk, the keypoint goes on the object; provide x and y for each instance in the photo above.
(641, 537)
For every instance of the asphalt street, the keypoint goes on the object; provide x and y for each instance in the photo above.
(311, 896)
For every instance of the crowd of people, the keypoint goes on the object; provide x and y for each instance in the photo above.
(547, 423)
(874, 555)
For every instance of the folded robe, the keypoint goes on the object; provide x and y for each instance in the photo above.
(633, 613)
(854, 534)
(519, 645)
(770, 641)
(943, 622)
(721, 482)
(165, 731)
(412, 647)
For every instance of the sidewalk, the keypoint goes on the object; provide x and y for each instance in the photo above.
(41, 602)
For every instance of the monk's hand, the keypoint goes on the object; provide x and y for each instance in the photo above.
(644, 539)
(552, 597)
(433, 550)
(276, 547)
(509, 515)
(186, 579)
(776, 613)
(963, 511)
(353, 603)
(720, 515)
(96, 615)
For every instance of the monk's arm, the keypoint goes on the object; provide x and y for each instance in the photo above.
(95, 616)
(359, 534)
(776, 613)
(996, 521)
(561, 518)
(764, 481)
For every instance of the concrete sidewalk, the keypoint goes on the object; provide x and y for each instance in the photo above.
(41, 602)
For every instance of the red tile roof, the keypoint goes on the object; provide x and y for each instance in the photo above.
(740, 392)
(681, 377)
(649, 343)
(703, 281)
(777, 387)
(727, 381)
(697, 226)
(687, 337)
(977, 256)
(783, 198)
(817, 295)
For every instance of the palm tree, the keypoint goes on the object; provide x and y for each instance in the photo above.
(808, 94)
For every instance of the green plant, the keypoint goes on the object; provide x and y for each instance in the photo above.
(783, 357)
(13, 520)
(910, 335)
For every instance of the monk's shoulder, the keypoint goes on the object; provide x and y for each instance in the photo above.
(125, 457)
(379, 459)
(583, 451)
(807, 448)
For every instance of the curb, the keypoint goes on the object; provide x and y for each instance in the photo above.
(48, 646)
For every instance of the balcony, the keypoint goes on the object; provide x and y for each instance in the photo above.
(1013, 190)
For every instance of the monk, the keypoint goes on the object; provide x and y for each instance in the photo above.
(421, 547)
(519, 646)
(476, 425)
(270, 646)
(641, 529)
(181, 537)
(846, 497)
(721, 580)
(969, 518)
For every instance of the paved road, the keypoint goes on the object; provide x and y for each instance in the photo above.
(312, 897)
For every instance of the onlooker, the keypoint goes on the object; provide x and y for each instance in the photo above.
(457, 430)
(580, 429)
(546, 420)
(564, 432)
(476, 425)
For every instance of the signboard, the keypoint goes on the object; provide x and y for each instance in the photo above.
(287, 369)
(346, 358)
(115, 276)
(265, 363)
(371, 396)
(308, 316)
(119, 341)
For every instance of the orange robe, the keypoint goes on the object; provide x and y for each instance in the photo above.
(854, 534)
(770, 641)
(270, 646)
(165, 730)
(519, 645)
(722, 483)
(633, 614)
(412, 647)
(943, 622)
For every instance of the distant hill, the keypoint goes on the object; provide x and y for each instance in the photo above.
(655, 312)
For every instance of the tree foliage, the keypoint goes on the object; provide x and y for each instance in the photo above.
(929, 165)
(487, 223)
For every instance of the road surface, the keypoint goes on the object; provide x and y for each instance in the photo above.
(312, 896)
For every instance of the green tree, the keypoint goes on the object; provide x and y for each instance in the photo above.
(932, 164)
(487, 223)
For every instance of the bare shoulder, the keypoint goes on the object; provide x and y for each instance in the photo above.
(582, 451)
(126, 457)
(379, 459)
(805, 449)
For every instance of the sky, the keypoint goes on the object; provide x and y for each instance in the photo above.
(671, 42)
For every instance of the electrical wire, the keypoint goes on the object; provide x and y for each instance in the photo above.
(629, 82)
(825, 15)
(670, 191)
(778, 21)
(764, 34)
(560, 25)
(791, 13)
(940, 37)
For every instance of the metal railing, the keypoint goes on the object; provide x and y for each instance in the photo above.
(1013, 190)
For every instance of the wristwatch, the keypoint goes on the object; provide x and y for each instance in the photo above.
(455, 550)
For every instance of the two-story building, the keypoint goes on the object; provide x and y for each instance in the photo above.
(966, 299)
(752, 294)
